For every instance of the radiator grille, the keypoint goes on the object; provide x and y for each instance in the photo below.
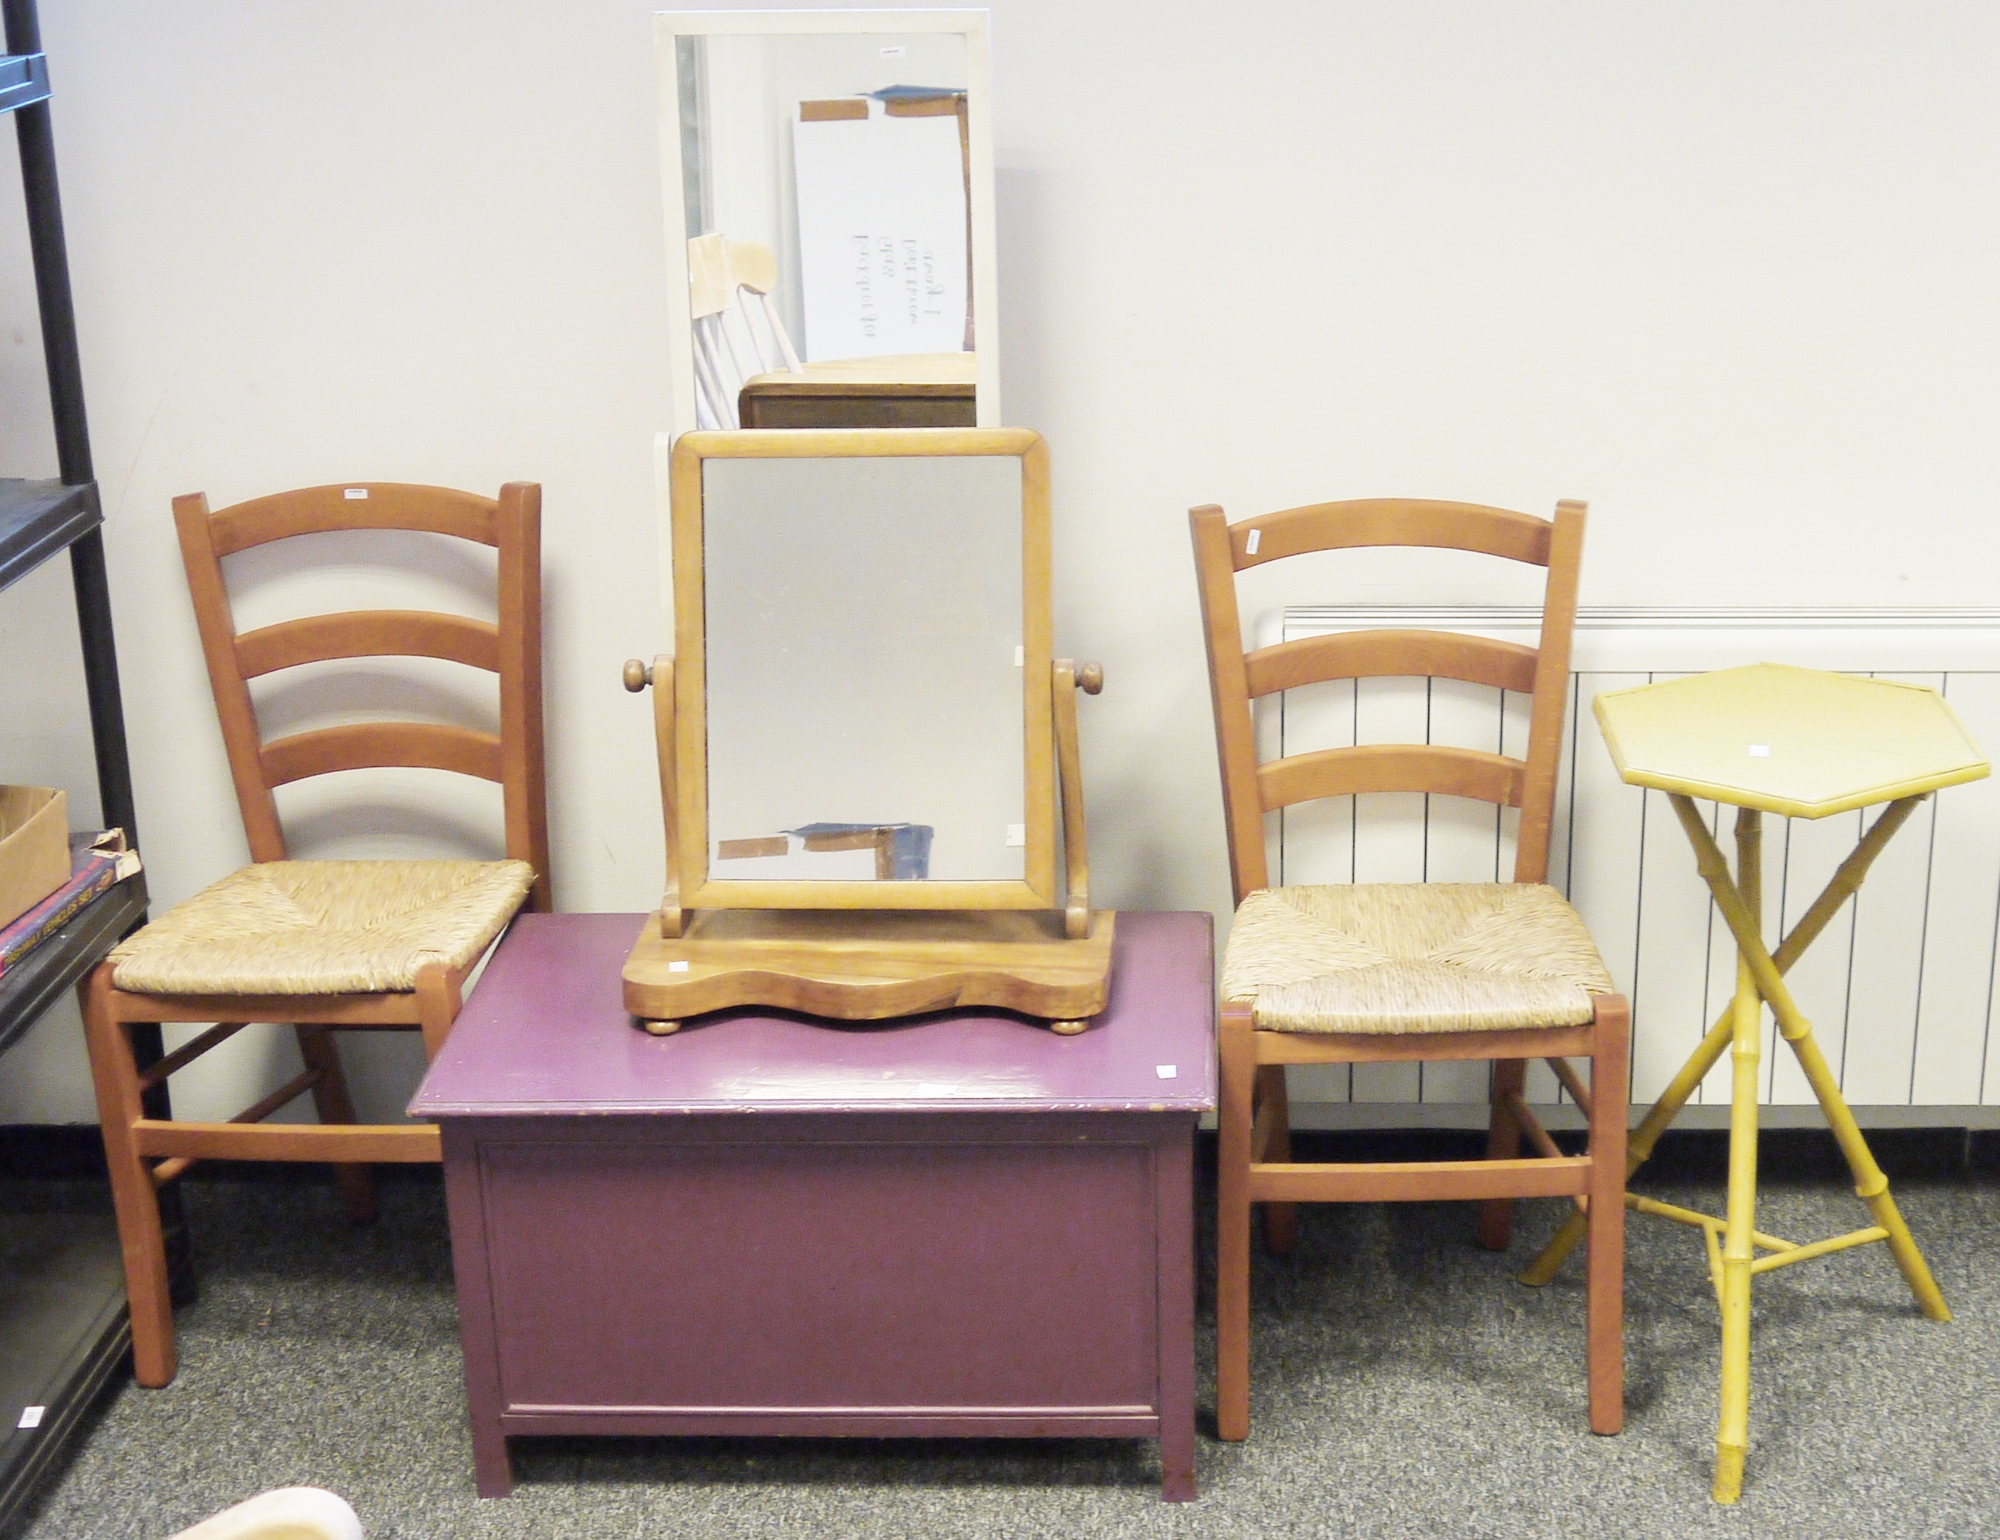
(1900, 987)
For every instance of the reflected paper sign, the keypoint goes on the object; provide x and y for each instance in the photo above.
(881, 234)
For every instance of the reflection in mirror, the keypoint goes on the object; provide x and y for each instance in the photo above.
(832, 192)
(893, 752)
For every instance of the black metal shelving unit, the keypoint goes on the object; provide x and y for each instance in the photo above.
(63, 1329)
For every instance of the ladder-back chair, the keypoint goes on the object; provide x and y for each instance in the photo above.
(1410, 971)
(321, 945)
(720, 274)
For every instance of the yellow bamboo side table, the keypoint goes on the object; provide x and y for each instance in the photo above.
(1804, 744)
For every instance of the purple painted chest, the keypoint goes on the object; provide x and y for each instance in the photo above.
(955, 1225)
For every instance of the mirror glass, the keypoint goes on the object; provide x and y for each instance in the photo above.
(830, 208)
(865, 689)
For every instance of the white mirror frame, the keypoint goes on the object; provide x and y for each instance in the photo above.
(670, 26)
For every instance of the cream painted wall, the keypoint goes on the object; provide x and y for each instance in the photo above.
(1725, 268)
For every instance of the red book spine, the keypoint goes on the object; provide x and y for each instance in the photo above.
(91, 874)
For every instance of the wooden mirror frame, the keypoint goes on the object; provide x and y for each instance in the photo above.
(670, 26)
(684, 771)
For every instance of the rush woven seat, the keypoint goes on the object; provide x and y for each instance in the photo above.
(321, 947)
(323, 928)
(1406, 973)
(1412, 957)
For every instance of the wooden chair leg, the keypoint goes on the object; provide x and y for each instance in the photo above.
(438, 1002)
(1604, 1271)
(115, 1076)
(334, 1105)
(1281, 1220)
(1232, 1227)
(1503, 1142)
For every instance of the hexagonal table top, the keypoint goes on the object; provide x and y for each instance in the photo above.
(1796, 741)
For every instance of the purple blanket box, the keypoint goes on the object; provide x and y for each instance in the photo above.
(958, 1224)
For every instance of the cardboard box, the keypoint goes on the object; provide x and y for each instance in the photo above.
(34, 847)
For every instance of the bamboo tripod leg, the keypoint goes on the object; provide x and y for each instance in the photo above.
(1732, 1436)
(1836, 893)
(1644, 1137)
(1871, 1186)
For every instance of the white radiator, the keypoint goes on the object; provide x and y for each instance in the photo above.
(1900, 988)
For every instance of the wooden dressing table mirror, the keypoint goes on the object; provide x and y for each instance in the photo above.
(864, 736)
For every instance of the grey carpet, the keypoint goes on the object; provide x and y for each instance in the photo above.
(1404, 1385)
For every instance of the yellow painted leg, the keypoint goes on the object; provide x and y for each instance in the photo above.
(1838, 890)
(1732, 1435)
(1871, 1186)
(1638, 1147)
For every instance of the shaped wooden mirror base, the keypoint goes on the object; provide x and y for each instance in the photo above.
(872, 964)
(869, 966)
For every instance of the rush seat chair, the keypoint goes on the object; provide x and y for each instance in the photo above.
(320, 945)
(1357, 973)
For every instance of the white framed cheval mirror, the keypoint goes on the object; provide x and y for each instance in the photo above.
(827, 181)
(868, 755)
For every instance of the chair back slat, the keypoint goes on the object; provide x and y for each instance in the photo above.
(354, 505)
(381, 745)
(1390, 521)
(1236, 677)
(1390, 655)
(1439, 769)
(510, 648)
(369, 634)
